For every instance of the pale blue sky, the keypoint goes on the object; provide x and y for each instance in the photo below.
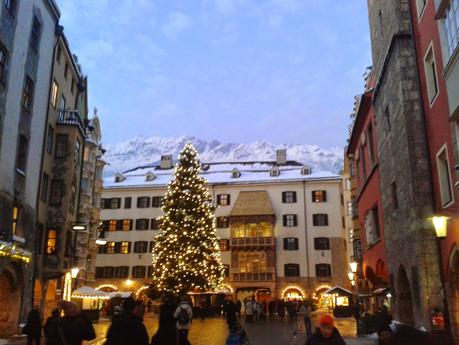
(233, 70)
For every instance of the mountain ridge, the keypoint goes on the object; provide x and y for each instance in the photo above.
(139, 151)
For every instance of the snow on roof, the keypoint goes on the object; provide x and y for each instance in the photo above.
(220, 173)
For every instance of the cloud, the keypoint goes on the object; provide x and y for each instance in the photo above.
(176, 23)
(227, 6)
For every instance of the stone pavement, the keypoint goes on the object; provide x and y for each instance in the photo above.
(213, 331)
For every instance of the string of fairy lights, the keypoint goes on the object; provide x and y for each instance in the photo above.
(186, 254)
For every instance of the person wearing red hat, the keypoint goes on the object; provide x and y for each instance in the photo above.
(326, 333)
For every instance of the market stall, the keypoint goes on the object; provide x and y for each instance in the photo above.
(340, 301)
(91, 301)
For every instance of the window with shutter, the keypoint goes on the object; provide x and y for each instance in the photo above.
(222, 222)
(290, 220)
(156, 201)
(141, 224)
(127, 202)
(321, 243)
(143, 202)
(320, 219)
(319, 196)
(292, 270)
(122, 272)
(289, 197)
(323, 270)
(223, 199)
(290, 243)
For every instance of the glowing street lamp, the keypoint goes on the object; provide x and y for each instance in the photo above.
(74, 272)
(354, 266)
(351, 276)
(441, 226)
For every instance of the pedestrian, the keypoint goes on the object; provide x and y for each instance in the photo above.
(238, 308)
(51, 328)
(230, 313)
(183, 314)
(149, 304)
(167, 333)
(306, 311)
(203, 308)
(249, 311)
(357, 314)
(127, 327)
(271, 309)
(406, 335)
(33, 327)
(326, 334)
(237, 336)
(385, 335)
(74, 326)
(264, 310)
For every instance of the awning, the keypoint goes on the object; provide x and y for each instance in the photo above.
(381, 291)
(339, 291)
(122, 294)
(89, 292)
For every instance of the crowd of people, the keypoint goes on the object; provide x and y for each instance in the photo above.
(72, 327)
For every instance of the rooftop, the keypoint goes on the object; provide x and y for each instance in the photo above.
(221, 173)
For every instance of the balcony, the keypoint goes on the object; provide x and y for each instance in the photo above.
(269, 275)
(252, 242)
(70, 118)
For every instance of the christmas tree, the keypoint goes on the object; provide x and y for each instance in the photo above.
(186, 255)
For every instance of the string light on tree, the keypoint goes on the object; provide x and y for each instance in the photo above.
(186, 255)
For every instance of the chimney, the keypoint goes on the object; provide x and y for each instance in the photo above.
(281, 157)
(166, 162)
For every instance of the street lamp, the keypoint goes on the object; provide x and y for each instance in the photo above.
(351, 276)
(74, 272)
(354, 265)
(440, 224)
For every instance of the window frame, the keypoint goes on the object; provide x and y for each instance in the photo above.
(27, 94)
(317, 216)
(138, 221)
(3, 64)
(431, 65)
(44, 187)
(156, 201)
(61, 146)
(128, 202)
(289, 197)
(224, 244)
(224, 199)
(319, 192)
(289, 245)
(137, 270)
(22, 153)
(290, 220)
(323, 266)
(55, 187)
(222, 222)
(319, 244)
(291, 267)
(53, 240)
(143, 198)
(444, 152)
(35, 34)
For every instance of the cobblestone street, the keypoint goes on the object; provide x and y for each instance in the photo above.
(213, 331)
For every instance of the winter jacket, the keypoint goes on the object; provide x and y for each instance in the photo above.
(127, 328)
(75, 329)
(187, 307)
(52, 331)
(167, 333)
(318, 339)
(34, 323)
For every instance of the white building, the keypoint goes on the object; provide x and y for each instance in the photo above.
(280, 226)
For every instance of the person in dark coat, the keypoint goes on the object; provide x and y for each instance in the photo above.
(74, 326)
(326, 334)
(231, 314)
(127, 327)
(406, 335)
(385, 335)
(238, 305)
(51, 328)
(33, 327)
(167, 332)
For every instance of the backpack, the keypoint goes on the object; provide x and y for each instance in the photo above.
(183, 317)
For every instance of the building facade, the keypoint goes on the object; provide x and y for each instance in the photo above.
(27, 38)
(404, 164)
(280, 227)
(362, 154)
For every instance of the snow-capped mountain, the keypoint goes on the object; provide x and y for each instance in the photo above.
(142, 151)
